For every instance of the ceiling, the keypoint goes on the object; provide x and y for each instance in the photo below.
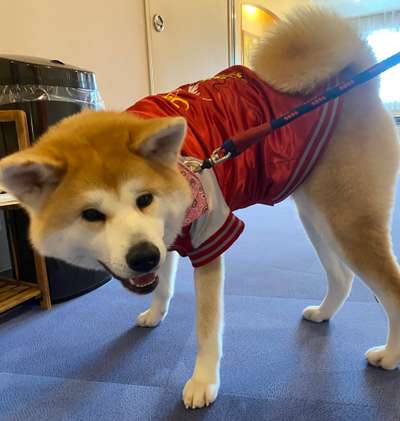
(359, 7)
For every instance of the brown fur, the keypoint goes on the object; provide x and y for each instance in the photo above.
(95, 149)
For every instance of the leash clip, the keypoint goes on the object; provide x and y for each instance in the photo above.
(194, 164)
(217, 157)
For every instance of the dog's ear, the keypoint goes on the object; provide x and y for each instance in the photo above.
(160, 139)
(30, 176)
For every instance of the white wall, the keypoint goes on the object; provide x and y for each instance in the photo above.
(105, 36)
(351, 8)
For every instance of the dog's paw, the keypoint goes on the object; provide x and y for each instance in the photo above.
(198, 394)
(313, 314)
(150, 318)
(380, 356)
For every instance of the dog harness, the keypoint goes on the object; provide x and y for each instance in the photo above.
(266, 173)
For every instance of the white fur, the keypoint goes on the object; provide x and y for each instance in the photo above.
(202, 388)
(86, 244)
(162, 294)
(309, 47)
(339, 276)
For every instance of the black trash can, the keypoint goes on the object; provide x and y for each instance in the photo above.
(48, 91)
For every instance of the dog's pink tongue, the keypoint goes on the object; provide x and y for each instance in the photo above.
(144, 279)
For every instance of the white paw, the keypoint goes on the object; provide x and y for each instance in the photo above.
(380, 356)
(313, 314)
(150, 318)
(198, 394)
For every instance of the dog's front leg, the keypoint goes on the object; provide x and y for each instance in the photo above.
(202, 387)
(162, 294)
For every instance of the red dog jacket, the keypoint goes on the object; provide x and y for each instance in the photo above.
(268, 172)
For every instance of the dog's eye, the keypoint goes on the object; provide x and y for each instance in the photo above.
(93, 215)
(144, 200)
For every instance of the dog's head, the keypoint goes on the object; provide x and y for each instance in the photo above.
(103, 191)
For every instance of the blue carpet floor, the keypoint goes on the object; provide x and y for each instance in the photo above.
(85, 360)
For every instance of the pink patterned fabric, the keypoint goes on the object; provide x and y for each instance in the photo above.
(199, 205)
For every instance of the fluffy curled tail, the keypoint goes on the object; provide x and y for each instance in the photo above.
(308, 48)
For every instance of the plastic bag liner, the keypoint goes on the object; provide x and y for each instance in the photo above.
(87, 98)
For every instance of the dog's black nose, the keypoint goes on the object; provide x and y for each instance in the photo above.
(143, 257)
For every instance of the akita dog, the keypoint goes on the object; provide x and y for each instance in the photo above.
(115, 191)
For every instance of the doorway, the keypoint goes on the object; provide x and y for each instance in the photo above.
(251, 20)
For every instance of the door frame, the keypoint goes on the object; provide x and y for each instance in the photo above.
(150, 66)
(232, 31)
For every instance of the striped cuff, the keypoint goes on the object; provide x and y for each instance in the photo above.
(219, 242)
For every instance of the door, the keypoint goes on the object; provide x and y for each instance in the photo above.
(187, 41)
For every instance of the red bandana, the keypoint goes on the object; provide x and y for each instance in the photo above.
(199, 204)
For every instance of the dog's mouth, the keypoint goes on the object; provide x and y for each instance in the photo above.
(141, 284)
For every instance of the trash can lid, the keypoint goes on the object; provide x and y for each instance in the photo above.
(21, 70)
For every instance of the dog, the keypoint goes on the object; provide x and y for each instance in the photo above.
(113, 191)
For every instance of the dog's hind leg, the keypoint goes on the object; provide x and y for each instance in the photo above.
(366, 245)
(339, 276)
(162, 294)
(361, 237)
(349, 197)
